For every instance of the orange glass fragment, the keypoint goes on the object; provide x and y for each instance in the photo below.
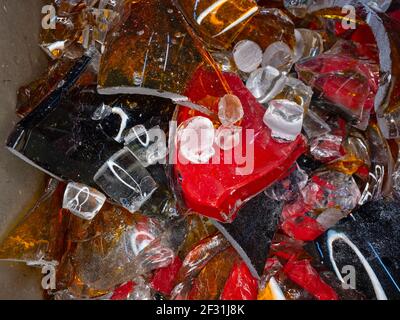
(39, 238)
(218, 21)
(154, 52)
(211, 280)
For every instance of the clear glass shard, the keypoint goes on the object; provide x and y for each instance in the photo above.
(266, 83)
(331, 189)
(309, 43)
(83, 201)
(289, 187)
(314, 126)
(125, 180)
(148, 146)
(326, 147)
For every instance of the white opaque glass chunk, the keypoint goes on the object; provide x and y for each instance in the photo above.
(247, 55)
(266, 83)
(278, 55)
(228, 138)
(195, 139)
(285, 119)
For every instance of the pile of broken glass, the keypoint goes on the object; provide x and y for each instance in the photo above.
(215, 149)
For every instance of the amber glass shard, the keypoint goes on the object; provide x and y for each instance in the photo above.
(200, 255)
(150, 52)
(356, 157)
(199, 229)
(218, 21)
(78, 25)
(211, 280)
(31, 95)
(101, 250)
(269, 26)
(65, 37)
(39, 237)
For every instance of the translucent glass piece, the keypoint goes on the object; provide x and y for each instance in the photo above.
(228, 138)
(314, 126)
(247, 55)
(125, 180)
(379, 182)
(379, 5)
(37, 237)
(99, 22)
(289, 187)
(102, 112)
(285, 119)
(218, 21)
(83, 201)
(309, 43)
(278, 55)
(151, 52)
(297, 7)
(327, 72)
(31, 95)
(330, 189)
(78, 25)
(225, 61)
(209, 284)
(385, 32)
(267, 26)
(196, 138)
(266, 83)
(326, 147)
(230, 110)
(148, 146)
(103, 252)
(356, 155)
(295, 90)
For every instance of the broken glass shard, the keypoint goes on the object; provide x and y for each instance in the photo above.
(266, 83)
(309, 43)
(148, 146)
(314, 126)
(289, 187)
(285, 119)
(125, 180)
(83, 201)
(218, 22)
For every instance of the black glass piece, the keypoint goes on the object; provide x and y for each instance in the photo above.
(252, 231)
(368, 241)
